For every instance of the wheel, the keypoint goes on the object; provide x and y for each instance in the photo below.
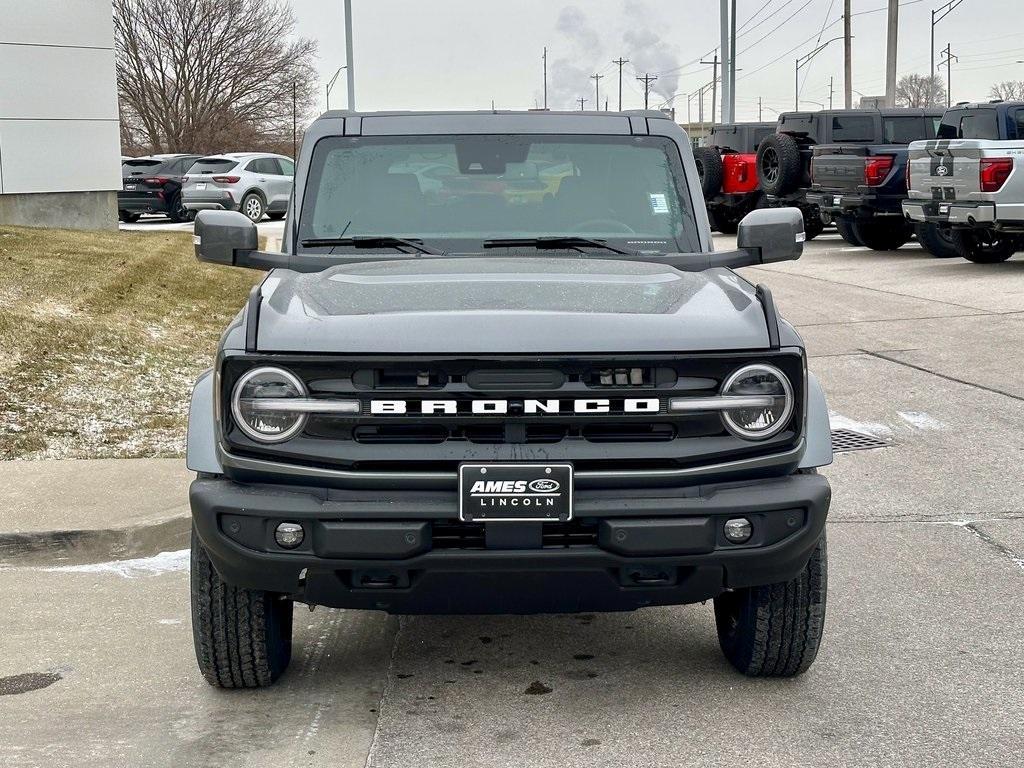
(983, 246)
(252, 206)
(775, 630)
(780, 167)
(243, 637)
(128, 217)
(883, 234)
(938, 241)
(276, 215)
(848, 231)
(710, 170)
(813, 225)
(177, 212)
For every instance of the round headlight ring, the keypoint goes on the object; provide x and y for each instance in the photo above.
(787, 410)
(243, 425)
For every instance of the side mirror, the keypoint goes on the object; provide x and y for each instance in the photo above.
(772, 234)
(220, 235)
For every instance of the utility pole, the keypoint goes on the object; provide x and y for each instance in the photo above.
(890, 53)
(545, 59)
(582, 101)
(732, 63)
(620, 61)
(847, 56)
(647, 79)
(295, 122)
(714, 84)
(348, 56)
(948, 64)
(597, 90)
(938, 15)
(831, 91)
(724, 24)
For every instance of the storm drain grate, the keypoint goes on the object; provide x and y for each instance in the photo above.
(847, 440)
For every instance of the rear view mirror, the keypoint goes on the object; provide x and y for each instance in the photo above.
(772, 234)
(221, 236)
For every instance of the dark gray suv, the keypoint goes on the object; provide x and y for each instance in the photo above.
(528, 384)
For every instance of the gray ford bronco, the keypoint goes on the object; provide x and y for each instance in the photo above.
(499, 368)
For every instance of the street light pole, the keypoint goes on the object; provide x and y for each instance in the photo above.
(330, 85)
(806, 59)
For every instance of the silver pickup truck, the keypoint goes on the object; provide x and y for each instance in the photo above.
(970, 180)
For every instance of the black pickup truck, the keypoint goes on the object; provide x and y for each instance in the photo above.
(784, 158)
(860, 182)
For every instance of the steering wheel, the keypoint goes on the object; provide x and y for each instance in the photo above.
(601, 224)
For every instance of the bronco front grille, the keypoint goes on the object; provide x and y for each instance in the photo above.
(608, 437)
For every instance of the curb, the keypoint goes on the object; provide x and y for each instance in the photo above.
(96, 545)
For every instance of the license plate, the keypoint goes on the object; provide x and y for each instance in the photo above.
(837, 200)
(130, 187)
(521, 492)
(201, 186)
(943, 209)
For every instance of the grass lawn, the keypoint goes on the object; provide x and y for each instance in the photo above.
(101, 337)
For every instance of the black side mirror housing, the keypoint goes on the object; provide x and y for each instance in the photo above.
(773, 234)
(221, 236)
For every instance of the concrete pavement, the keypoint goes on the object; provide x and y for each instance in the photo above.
(922, 662)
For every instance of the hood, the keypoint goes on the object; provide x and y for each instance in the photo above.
(508, 305)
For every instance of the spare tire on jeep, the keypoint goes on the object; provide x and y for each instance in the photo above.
(780, 169)
(710, 170)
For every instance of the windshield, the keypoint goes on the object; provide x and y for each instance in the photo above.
(458, 191)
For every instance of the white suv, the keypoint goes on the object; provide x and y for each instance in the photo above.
(250, 182)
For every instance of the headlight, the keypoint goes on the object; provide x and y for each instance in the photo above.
(259, 404)
(769, 387)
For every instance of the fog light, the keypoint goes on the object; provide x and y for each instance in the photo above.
(290, 535)
(738, 530)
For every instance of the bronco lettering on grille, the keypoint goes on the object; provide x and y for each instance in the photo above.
(585, 406)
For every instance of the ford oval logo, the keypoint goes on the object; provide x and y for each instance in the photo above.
(942, 170)
(544, 486)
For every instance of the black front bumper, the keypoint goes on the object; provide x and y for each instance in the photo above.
(143, 202)
(405, 551)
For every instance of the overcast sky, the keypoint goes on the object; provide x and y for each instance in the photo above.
(461, 54)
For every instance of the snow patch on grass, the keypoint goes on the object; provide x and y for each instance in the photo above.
(164, 562)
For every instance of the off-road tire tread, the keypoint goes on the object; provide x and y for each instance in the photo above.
(791, 164)
(848, 232)
(884, 234)
(714, 171)
(230, 628)
(780, 624)
(933, 242)
(965, 244)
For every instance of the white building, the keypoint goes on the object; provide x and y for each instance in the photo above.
(60, 155)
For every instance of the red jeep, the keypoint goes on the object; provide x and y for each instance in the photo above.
(728, 172)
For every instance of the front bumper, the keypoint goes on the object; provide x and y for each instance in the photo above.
(405, 552)
(962, 213)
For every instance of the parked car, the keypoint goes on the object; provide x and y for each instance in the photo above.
(593, 413)
(152, 184)
(784, 158)
(728, 172)
(251, 182)
(861, 183)
(969, 182)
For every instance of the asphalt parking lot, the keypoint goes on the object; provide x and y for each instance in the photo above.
(272, 230)
(922, 662)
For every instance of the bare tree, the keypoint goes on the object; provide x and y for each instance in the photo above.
(1008, 90)
(210, 75)
(920, 91)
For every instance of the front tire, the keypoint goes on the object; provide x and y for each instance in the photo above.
(243, 637)
(252, 206)
(775, 630)
(983, 246)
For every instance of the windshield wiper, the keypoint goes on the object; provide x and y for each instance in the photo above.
(372, 241)
(557, 241)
